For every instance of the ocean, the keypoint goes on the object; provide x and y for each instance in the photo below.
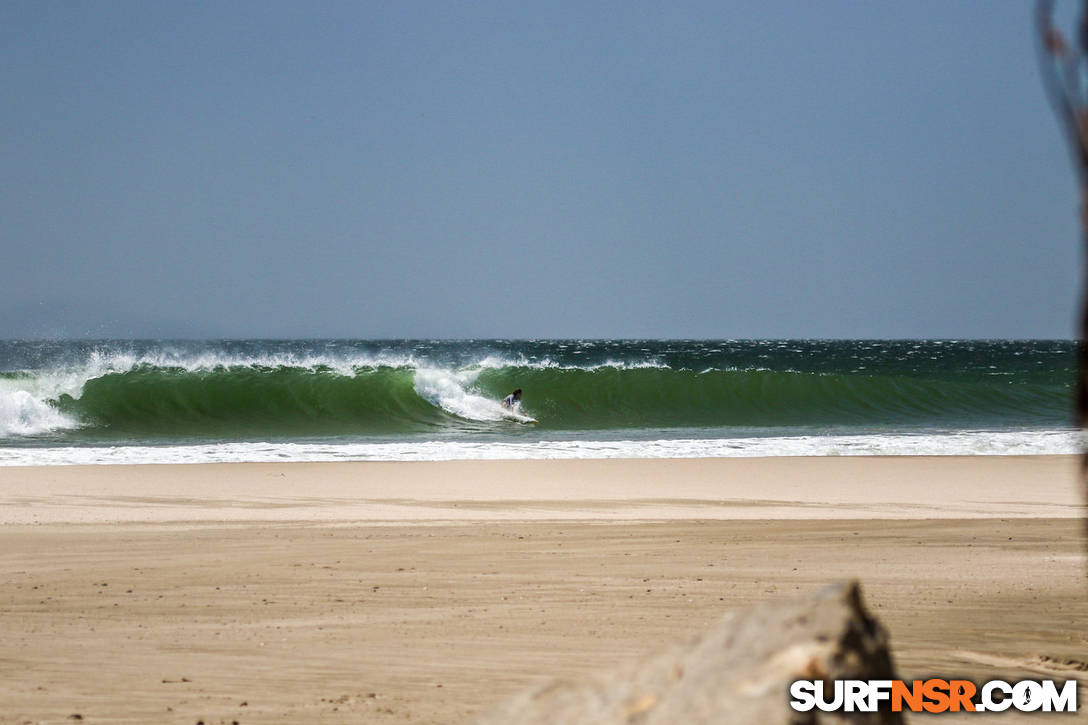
(110, 401)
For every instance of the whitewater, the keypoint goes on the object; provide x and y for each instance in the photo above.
(107, 401)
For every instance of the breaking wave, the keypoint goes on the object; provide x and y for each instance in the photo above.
(238, 397)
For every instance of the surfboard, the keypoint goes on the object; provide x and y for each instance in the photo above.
(518, 417)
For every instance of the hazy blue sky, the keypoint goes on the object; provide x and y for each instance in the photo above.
(514, 169)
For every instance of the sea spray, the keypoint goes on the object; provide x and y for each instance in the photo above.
(22, 414)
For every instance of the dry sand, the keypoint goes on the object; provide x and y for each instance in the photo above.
(423, 592)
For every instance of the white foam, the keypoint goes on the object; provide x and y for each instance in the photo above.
(992, 443)
(23, 414)
(449, 390)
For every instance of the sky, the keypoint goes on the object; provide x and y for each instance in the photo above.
(531, 170)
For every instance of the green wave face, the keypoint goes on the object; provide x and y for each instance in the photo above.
(255, 400)
(660, 397)
(252, 400)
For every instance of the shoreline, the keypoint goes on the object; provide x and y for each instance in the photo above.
(971, 443)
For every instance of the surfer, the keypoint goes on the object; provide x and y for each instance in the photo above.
(512, 400)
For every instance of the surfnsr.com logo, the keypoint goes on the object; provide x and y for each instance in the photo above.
(933, 696)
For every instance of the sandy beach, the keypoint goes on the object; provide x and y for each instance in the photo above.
(425, 592)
